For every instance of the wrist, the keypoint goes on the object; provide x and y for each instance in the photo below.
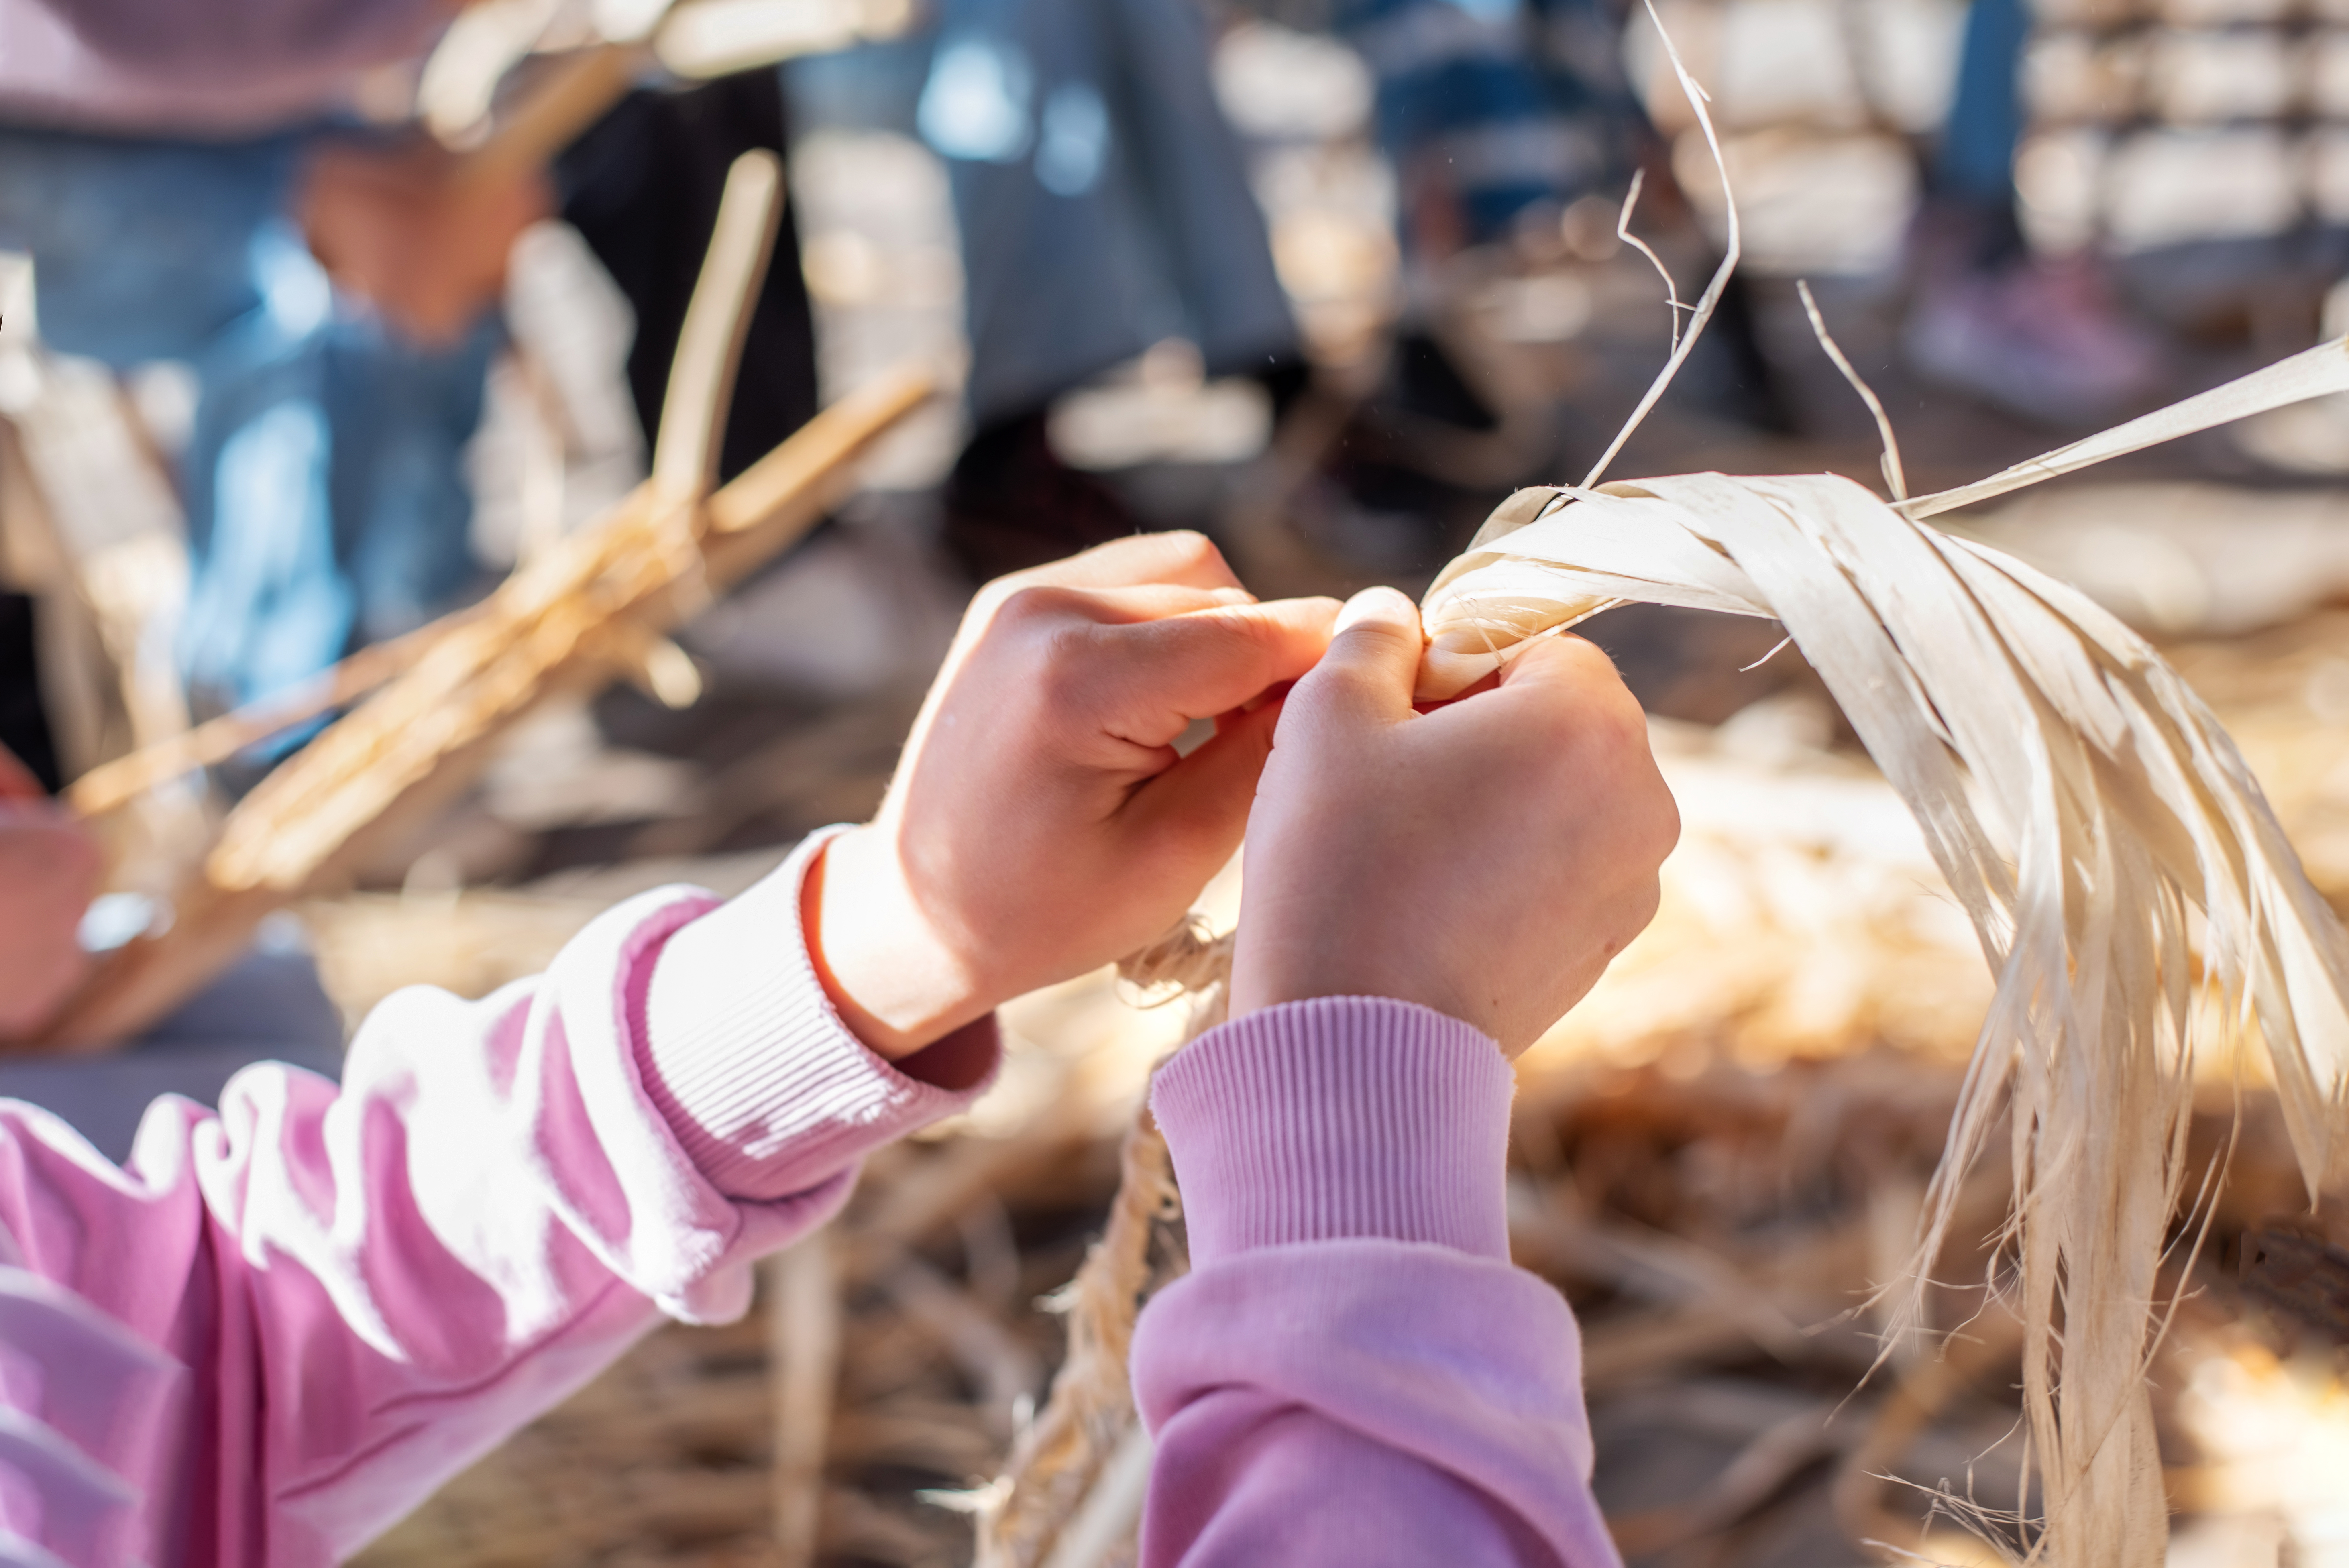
(896, 984)
(1265, 977)
(1337, 1118)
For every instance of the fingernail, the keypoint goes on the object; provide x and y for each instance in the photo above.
(1379, 604)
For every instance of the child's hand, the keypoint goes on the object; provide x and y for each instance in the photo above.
(48, 872)
(1486, 860)
(1040, 823)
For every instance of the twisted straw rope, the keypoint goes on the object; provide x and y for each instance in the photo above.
(1089, 1416)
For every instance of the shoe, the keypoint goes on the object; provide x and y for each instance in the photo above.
(1011, 503)
(2039, 338)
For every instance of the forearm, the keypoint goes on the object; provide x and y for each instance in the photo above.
(371, 1285)
(1354, 1371)
(673, 1100)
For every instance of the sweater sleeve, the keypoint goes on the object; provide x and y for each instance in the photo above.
(239, 42)
(1353, 1372)
(371, 1285)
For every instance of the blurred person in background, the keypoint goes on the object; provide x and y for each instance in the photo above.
(186, 178)
(1491, 109)
(193, 185)
(1497, 116)
(2037, 335)
(1494, 113)
(1103, 207)
(169, 167)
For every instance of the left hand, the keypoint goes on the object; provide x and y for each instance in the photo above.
(1487, 860)
(397, 226)
(1040, 823)
(49, 868)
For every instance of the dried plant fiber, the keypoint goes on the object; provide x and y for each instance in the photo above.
(1083, 1463)
(2083, 806)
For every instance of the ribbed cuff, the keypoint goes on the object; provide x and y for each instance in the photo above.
(1339, 1117)
(766, 1089)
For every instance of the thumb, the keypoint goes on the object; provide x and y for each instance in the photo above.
(1373, 659)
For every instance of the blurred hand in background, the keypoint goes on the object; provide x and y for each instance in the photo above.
(406, 228)
(49, 868)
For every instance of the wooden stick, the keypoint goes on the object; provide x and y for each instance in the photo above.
(115, 784)
(803, 1319)
(575, 92)
(709, 345)
(789, 475)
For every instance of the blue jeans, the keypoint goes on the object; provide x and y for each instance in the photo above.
(323, 485)
(1977, 154)
(1102, 195)
(1506, 103)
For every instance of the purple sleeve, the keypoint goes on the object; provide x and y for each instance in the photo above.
(371, 1285)
(1353, 1372)
(227, 42)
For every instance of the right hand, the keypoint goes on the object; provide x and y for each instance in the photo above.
(1041, 822)
(49, 868)
(1486, 859)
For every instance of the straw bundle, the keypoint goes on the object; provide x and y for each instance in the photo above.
(2080, 802)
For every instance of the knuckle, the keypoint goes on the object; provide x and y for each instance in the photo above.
(1327, 686)
(1385, 633)
(987, 604)
(1641, 910)
(1253, 628)
(1067, 663)
(1662, 833)
(1626, 725)
(1191, 547)
(1307, 714)
(1178, 552)
(1612, 719)
(1026, 605)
